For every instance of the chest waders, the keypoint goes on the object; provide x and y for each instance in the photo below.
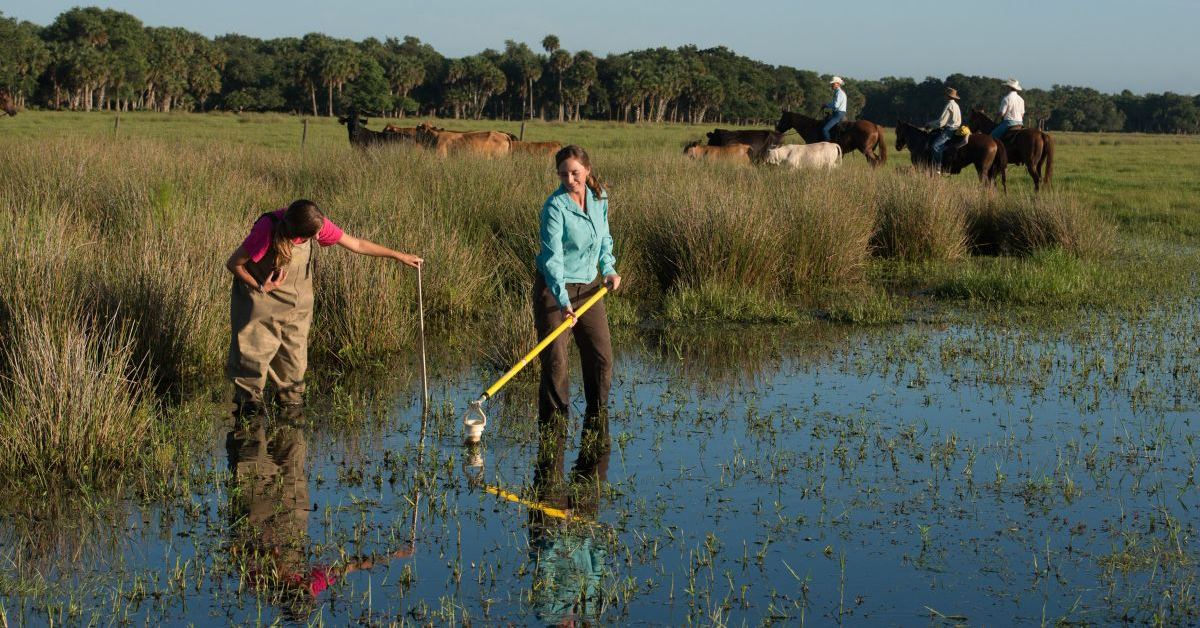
(269, 332)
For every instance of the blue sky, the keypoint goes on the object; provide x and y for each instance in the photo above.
(1106, 44)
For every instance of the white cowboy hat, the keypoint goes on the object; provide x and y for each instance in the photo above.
(1013, 83)
(837, 80)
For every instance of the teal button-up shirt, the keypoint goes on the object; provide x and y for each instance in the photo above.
(574, 243)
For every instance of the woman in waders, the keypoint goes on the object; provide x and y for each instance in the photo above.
(575, 242)
(271, 304)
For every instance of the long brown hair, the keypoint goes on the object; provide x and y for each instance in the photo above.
(576, 152)
(302, 219)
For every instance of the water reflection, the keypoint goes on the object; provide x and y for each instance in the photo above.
(269, 541)
(731, 357)
(569, 552)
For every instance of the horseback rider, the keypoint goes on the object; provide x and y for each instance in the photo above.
(836, 107)
(945, 127)
(1012, 110)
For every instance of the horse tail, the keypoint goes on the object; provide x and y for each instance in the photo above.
(1047, 158)
(882, 145)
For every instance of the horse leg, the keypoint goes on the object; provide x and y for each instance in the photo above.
(1031, 168)
(1033, 155)
(983, 167)
(867, 151)
(865, 145)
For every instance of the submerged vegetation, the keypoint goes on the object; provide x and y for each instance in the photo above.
(756, 448)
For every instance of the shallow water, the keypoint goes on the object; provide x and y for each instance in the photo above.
(968, 473)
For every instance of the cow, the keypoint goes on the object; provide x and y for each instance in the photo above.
(815, 155)
(360, 135)
(737, 153)
(541, 149)
(403, 131)
(8, 104)
(759, 141)
(488, 143)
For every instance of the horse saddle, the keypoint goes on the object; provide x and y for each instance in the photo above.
(836, 132)
(1011, 133)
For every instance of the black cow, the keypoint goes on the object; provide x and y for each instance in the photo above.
(758, 141)
(363, 137)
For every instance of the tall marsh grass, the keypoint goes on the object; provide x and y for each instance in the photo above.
(69, 412)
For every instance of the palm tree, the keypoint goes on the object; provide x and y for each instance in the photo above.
(550, 44)
(525, 68)
(560, 60)
(339, 64)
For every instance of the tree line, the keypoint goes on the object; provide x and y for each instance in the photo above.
(91, 58)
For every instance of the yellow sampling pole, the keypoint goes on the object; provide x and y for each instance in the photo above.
(474, 419)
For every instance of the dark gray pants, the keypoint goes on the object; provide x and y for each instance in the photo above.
(595, 353)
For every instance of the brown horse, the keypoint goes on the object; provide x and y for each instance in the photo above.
(7, 103)
(1031, 147)
(986, 154)
(862, 135)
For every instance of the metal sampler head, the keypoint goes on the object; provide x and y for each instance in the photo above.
(474, 420)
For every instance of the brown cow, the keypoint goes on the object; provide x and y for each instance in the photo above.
(404, 131)
(541, 149)
(488, 143)
(8, 104)
(737, 153)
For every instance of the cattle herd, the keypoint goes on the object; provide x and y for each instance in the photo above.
(738, 146)
(443, 142)
(764, 147)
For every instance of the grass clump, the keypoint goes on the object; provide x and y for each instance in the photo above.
(863, 306)
(716, 304)
(1049, 276)
(1021, 224)
(69, 412)
(919, 219)
(828, 222)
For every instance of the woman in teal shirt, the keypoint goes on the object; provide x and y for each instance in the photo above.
(576, 255)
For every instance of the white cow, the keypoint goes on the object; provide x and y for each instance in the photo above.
(815, 155)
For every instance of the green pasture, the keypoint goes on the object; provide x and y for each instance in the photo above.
(1144, 183)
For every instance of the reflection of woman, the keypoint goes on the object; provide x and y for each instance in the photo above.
(270, 510)
(569, 558)
(575, 242)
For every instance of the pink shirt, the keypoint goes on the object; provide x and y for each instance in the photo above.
(259, 241)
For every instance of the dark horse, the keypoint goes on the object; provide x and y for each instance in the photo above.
(1031, 147)
(7, 103)
(861, 135)
(986, 154)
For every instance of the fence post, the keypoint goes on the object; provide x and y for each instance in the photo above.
(304, 134)
(522, 138)
(116, 124)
